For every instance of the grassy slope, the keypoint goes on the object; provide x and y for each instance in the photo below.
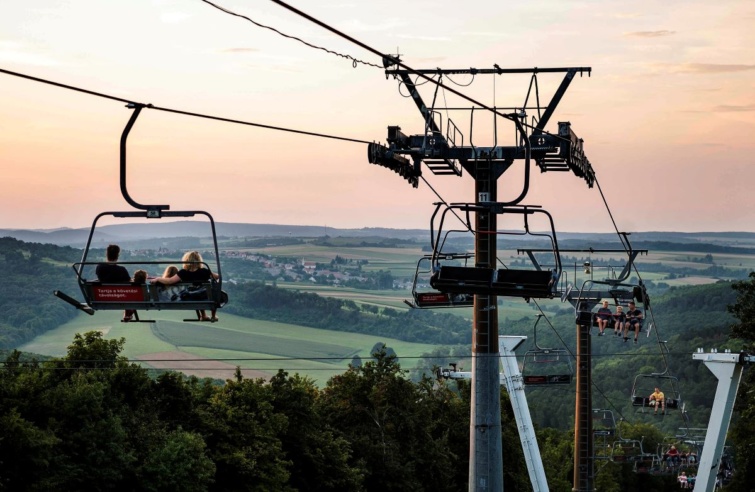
(251, 344)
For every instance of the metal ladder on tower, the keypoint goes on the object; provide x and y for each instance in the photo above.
(583, 465)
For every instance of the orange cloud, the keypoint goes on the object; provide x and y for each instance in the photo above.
(649, 34)
(711, 68)
(727, 108)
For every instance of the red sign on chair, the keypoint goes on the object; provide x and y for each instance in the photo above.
(118, 293)
(427, 298)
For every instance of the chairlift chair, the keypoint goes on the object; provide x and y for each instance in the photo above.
(604, 429)
(529, 283)
(423, 299)
(109, 296)
(546, 366)
(121, 296)
(632, 450)
(603, 422)
(593, 292)
(645, 384)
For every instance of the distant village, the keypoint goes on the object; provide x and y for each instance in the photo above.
(243, 266)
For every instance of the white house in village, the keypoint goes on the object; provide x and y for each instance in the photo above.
(309, 267)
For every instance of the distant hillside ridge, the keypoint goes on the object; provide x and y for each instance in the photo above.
(162, 229)
(129, 232)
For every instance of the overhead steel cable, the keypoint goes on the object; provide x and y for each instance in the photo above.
(186, 113)
(65, 86)
(200, 115)
(637, 271)
(393, 59)
(661, 344)
(295, 359)
(354, 61)
(389, 60)
(259, 125)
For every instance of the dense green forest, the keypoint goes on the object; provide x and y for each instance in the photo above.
(92, 421)
(32, 271)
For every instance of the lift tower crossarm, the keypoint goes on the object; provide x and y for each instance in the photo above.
(556, 99)
(498, 71)
(438, 143)
(570, 73)
(561, 151)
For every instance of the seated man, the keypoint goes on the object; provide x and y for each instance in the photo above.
(634, 321)
(110, 272)
(603, 316)
(672, 456)
(658, 399)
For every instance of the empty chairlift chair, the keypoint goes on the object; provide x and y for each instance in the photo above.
(535, 282)
(604, 430)
(424, 297)
(546, 366)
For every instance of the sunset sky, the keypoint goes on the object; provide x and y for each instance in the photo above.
(667, 115)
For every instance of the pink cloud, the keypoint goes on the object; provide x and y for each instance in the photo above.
(711, 68)
(649, 34)
(728, 108)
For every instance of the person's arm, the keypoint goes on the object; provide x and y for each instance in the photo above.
(166, 281)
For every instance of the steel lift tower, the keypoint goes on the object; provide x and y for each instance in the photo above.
(441, 147)
(727, 367)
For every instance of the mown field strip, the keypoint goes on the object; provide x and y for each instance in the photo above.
(214, 336)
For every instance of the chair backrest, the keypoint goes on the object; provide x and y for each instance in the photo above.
(181, 296)
(439, 299)
(640, 401)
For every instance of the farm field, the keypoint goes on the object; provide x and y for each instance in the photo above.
(402, 261)
(259, 348)
(382, 298)
(394, 299)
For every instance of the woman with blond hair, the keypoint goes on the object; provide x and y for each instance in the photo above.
(193, 271)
